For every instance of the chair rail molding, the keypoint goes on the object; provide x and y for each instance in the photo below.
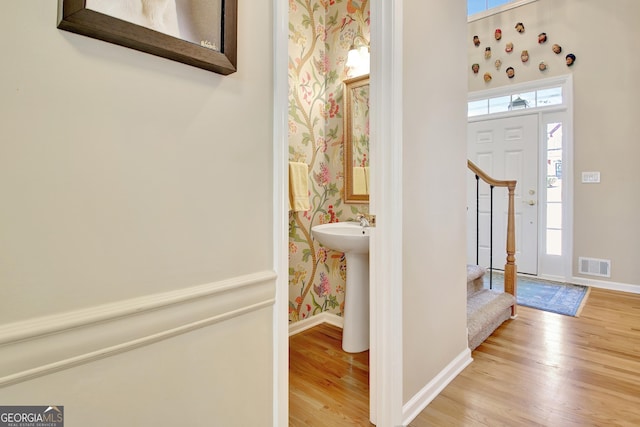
(44, 345)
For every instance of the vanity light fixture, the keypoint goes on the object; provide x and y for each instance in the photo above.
(358, 58)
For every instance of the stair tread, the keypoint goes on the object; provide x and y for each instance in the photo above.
(486, 309)
(474, 272)
(485, 305)
(482, 299)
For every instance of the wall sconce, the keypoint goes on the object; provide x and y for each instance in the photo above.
(358, 58)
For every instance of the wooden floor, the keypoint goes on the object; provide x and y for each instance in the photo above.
(542, 369)
(327, 386)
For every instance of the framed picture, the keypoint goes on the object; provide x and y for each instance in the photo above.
(201, 33)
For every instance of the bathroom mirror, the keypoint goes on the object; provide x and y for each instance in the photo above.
(356, 140)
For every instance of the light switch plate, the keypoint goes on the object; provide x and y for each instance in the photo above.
(590, 177)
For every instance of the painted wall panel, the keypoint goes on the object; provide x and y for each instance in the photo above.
(125, 175)
(434, 189)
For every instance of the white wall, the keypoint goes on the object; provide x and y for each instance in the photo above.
(136, 225)
(213, 376)
(603, 36)
(434, 171)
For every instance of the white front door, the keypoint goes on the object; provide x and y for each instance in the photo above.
(505, 149)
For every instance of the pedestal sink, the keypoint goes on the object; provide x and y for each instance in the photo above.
(352, 239)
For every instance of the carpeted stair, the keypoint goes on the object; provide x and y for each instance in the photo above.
(486, 309)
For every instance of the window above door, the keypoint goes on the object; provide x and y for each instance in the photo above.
(545, 94)
(515, 101)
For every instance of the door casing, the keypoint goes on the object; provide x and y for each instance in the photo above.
(549, 267)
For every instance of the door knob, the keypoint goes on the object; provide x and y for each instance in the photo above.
(531, 202)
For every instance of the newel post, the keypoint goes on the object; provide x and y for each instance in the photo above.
(510, 270)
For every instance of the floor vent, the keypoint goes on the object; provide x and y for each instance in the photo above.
(595, 267)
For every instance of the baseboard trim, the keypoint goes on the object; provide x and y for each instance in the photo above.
(41, 346)
(612, 286)
(318, 319)
(421, 399)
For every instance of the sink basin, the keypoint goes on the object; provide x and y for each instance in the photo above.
(352, 239)
(343, 236)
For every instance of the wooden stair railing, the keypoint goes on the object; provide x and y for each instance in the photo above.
(510, 270)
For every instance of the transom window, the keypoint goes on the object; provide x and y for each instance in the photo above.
(515, 101)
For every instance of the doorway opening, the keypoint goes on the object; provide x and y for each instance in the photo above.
(525, 133)
(320, 38)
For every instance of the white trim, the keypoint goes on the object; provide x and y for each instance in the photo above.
(318, 319)
(612, 286)
(520, 87)
(429, 392)
(499, 9)
(41, 346)
(280, 227)
(385, 357)
(567, 171)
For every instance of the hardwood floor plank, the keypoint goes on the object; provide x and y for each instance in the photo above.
(541, 369)
(553, 370)
(327, 386)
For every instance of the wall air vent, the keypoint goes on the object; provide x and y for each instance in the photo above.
(595, 267)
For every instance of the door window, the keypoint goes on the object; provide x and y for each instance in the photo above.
(553, 158)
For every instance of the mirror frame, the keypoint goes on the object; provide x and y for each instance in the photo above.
(349, 86)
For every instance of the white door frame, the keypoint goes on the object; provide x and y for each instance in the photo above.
(385, 364)
(566, 82)
(386, 199)
(280, 321)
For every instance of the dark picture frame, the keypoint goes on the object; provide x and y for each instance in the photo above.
(75, 17)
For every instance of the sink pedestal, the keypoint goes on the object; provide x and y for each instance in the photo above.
(355, 331)
(353, 240)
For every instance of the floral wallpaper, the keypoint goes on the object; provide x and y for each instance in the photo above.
(320, 35)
